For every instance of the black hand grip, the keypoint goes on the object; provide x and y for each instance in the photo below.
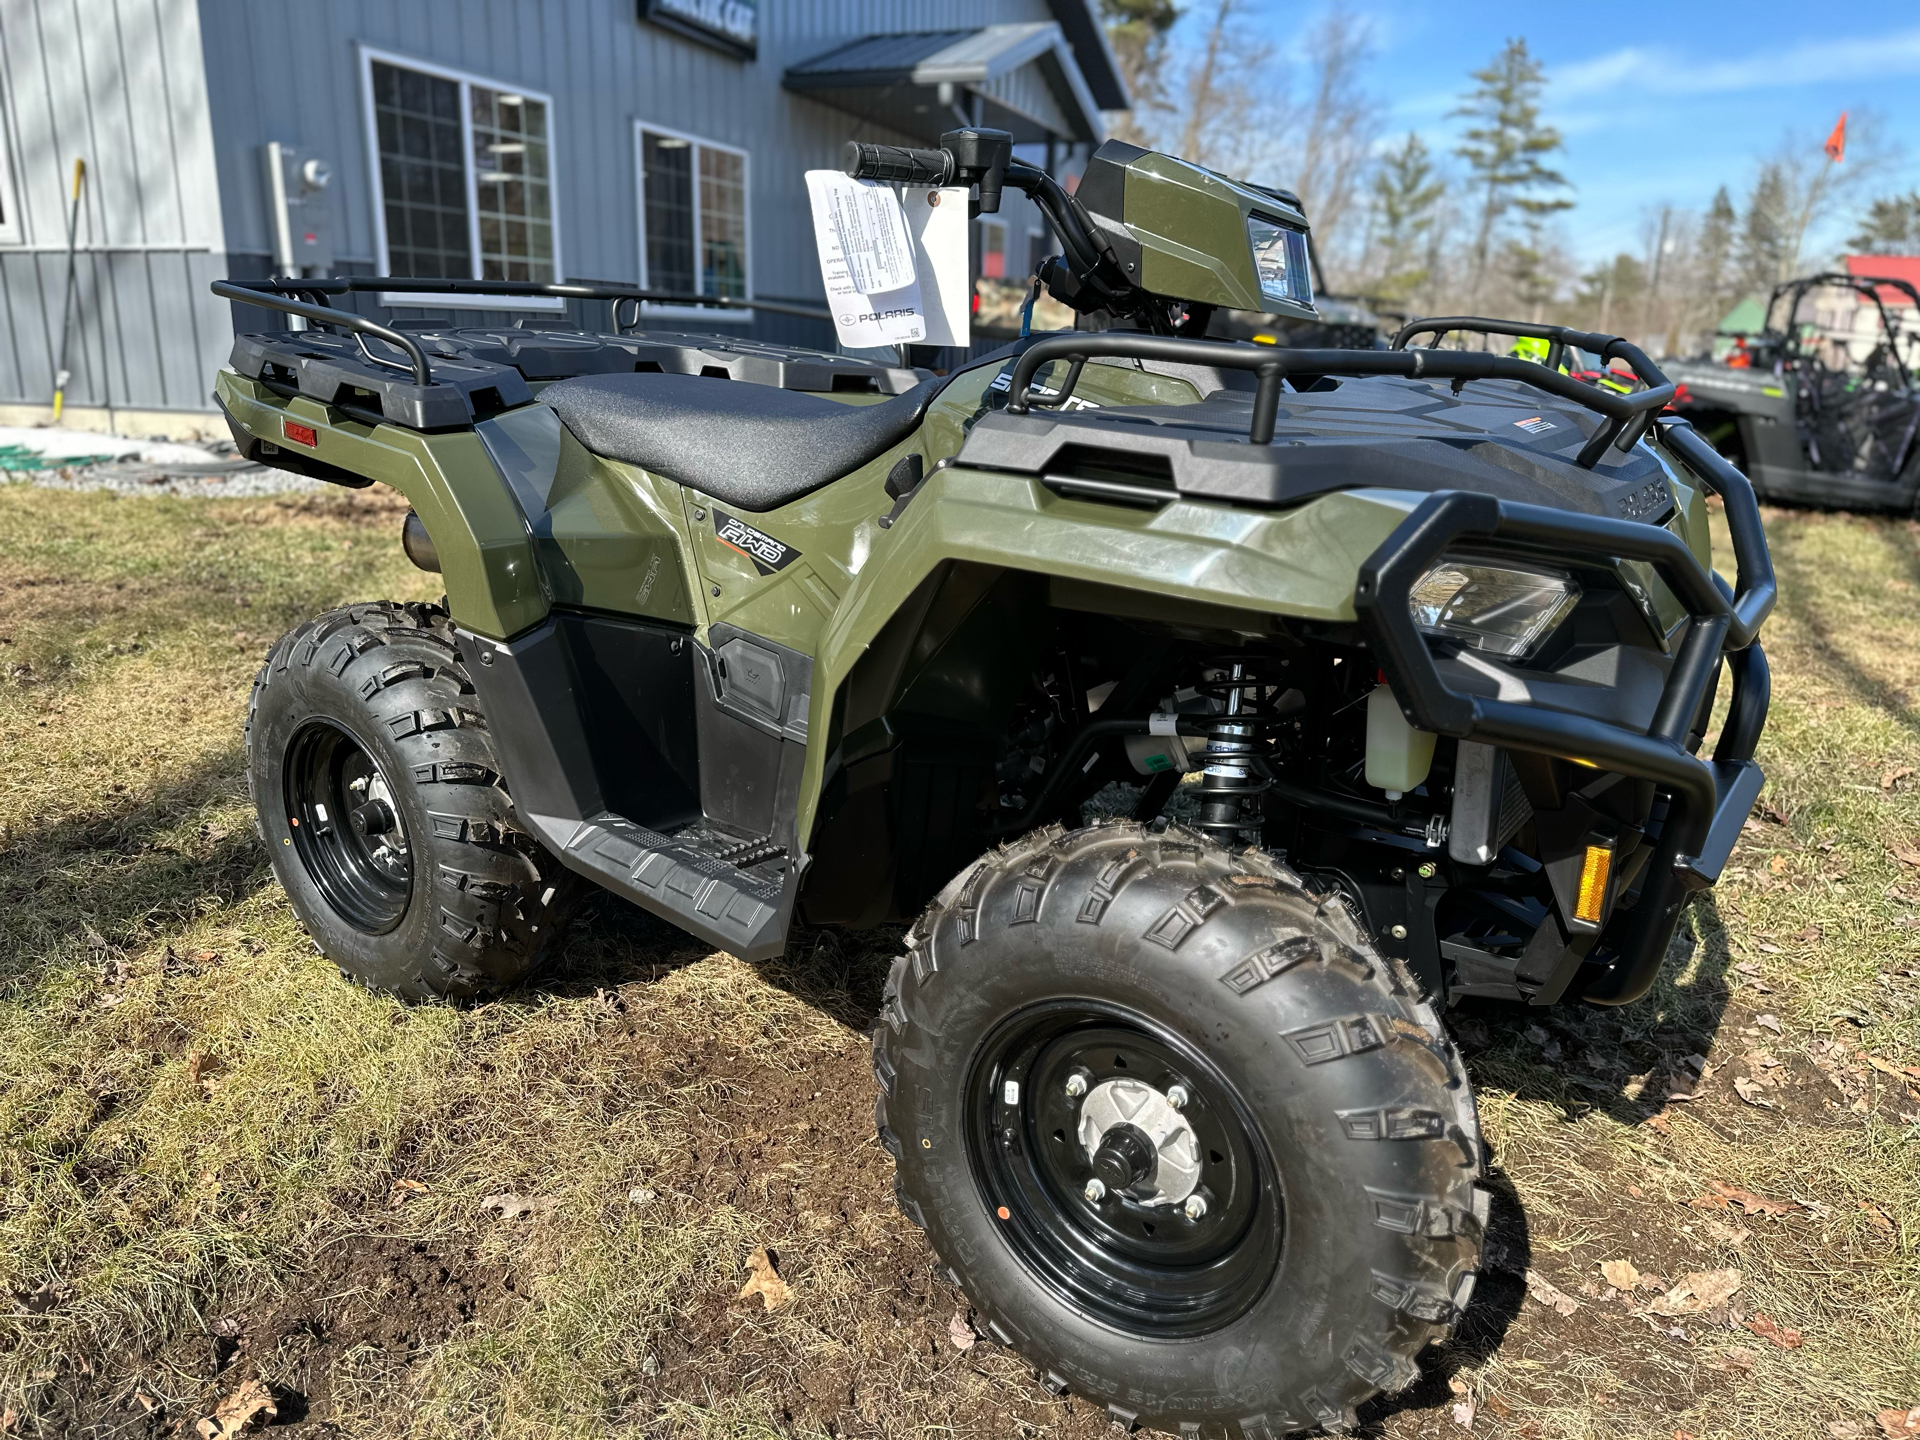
(896, 163)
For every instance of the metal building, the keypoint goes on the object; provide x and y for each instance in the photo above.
(654, 142)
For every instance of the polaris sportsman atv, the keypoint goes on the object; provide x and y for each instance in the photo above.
(1422, 642)
(1804, 429)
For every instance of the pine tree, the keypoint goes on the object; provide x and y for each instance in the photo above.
(1715, 248)
(1406, 193)
(1891, 227)
(1506, 148)
(1764, 239)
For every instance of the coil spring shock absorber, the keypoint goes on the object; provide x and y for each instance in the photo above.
(1229, 804)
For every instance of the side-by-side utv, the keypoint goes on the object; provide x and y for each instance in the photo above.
(1423, 642)
(1802, 419)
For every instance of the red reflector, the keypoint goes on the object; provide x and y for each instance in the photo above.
(299, 434)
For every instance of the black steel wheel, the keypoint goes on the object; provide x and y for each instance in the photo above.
(346, 827)
(1083, 1209)
(379, 798)
(1186, 1140)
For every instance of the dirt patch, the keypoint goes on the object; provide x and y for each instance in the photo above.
(366, 1309)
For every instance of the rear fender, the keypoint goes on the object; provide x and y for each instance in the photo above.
(1233, 569)
(486, 557)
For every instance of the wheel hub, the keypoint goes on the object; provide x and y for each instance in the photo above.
(1138, 1143)
(346, 827)
(1124, 1169)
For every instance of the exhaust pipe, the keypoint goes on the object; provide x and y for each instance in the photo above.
(418, 544)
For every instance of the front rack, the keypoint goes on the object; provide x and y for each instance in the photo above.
(1710, 799)
(1627, 417)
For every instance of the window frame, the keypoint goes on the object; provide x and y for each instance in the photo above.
(12, 232)
(643, 128)
(370, 54)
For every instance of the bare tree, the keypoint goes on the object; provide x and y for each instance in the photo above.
(1137, 30)
(1336, 126)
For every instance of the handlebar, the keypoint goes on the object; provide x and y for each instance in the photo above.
(897, 164)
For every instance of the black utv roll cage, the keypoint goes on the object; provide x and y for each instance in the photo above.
(1709, 799)
(1866, 286)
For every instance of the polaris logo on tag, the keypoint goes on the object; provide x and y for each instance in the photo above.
(1535, 424)
(766, 553)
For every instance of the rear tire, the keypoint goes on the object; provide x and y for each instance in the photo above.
(1332, 1115)
(380, 801)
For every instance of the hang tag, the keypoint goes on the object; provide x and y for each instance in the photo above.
(938, 219)
(866, 261)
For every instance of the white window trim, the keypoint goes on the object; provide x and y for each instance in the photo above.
(368, 55)
(11, 230)
(742, 314)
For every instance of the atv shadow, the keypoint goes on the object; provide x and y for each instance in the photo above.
(1619, 1062)
(121, 872)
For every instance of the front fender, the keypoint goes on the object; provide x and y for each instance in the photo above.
(1299, 562)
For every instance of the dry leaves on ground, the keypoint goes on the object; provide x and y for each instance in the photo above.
(1702, 1290)
(203, 1071)
(512, 1207)
(959, 1333)
(251, 1402)
(1764, 1326)
(1547, 1293)
(1621, 1274)
(1900, 1424)
(402, 1189)
(1725, 1197)
(765, 1281)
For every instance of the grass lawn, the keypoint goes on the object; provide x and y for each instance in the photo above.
(220, 1164)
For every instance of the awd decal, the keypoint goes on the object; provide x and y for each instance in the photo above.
(766, 553)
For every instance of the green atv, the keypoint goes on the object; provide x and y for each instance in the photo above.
(1802, 427)
(759, 638)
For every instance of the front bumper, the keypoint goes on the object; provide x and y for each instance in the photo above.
(1708, 799)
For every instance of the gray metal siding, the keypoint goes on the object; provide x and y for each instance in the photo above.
(291, 73)
(119, 83)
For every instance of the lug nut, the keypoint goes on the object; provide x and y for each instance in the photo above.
(1096, 1190)
(1428, 870)
(1177, 1097)
(1076, 1085)
(1398, 932)
(1196, 1206)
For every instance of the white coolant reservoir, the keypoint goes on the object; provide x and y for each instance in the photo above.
(1398, 756)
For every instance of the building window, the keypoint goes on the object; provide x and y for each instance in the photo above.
(463, 170)
(693, 216)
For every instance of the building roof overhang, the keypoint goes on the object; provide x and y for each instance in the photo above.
(1023, 79)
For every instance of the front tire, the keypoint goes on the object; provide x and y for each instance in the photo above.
(1318, 1112)
(380, 801)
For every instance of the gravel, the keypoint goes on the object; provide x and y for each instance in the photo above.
(127, 466)
(235, 480)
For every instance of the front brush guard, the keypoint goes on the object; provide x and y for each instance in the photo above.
(1709, 800)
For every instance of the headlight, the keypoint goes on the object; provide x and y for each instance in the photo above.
(1280, 260)
(1490, 607)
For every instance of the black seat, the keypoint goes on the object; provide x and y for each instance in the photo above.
(749, 445)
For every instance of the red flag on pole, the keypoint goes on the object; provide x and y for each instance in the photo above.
(1836, 146)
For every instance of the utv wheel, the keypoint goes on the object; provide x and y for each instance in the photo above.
(1185, 1139)
(380, 802)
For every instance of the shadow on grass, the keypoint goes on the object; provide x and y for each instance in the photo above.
(114, 875)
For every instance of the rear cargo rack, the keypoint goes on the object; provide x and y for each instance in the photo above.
(433, 378)
(1627, 416)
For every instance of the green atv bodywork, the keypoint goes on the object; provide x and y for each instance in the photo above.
(759, 637)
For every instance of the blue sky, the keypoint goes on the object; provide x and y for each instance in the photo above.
(1657, 104)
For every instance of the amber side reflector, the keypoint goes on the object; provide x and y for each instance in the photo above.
(299, 434)
(1593, 884)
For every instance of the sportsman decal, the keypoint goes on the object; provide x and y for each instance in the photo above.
(766, 553)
